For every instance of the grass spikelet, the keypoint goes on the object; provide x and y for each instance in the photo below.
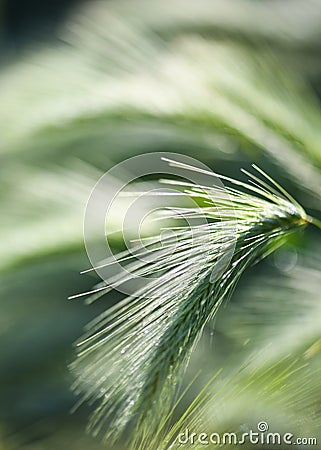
(131, 360)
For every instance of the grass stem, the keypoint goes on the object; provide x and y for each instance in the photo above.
(314, 221)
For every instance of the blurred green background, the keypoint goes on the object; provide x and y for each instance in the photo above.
(85, 85)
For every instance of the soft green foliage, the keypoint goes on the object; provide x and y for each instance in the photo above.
(226, 82)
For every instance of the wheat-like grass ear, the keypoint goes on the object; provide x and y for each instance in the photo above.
(131, 361)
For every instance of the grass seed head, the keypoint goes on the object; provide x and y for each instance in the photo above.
(130, 362)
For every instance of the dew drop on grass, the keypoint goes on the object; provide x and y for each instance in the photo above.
(285, 259)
